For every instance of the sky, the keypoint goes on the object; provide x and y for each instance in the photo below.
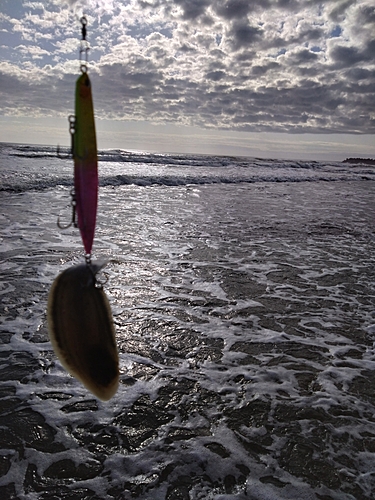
(268, 78)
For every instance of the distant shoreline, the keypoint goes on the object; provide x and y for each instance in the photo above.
(368, 161)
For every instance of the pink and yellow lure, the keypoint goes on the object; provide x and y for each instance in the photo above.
(85, 162)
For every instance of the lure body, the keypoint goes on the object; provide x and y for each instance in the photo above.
(81, 330)
(85, 162)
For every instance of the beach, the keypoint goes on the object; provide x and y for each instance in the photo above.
(243, 296)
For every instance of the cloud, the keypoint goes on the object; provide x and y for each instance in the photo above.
(285, 65)
(338, 9)
(243, 35)
(233, 9)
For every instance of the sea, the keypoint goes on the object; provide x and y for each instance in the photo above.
(243, 296)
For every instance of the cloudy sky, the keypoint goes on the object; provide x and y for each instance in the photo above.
(270, 78)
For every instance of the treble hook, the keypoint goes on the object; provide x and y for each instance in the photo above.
(73, 204)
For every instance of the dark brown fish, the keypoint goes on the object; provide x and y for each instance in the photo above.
(81, 329)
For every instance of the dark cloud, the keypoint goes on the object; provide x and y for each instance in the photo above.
(233, 9)
(358, 74)
(41, 98)
(346, 57)
(243, 35)
(369, 51)
(366, 14)
(266, 65)
(186, 48)
(193, 8)
(216, 75)
(257, 71)
(339, 8)
(304, 56)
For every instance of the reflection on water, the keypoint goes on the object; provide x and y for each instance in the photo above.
(244, 323)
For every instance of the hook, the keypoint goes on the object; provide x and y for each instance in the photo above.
(73, 204)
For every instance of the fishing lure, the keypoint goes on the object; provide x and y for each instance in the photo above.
(85, 154)
(79, 316)
(81, 329)
(85, 161)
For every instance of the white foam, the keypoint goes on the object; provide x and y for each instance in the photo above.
(254, 293)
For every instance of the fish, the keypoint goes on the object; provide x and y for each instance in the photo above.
(81, 329)
(85, 156)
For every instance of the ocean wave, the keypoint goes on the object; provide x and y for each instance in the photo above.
(39, 168)
(165, 159)
(168, 180)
